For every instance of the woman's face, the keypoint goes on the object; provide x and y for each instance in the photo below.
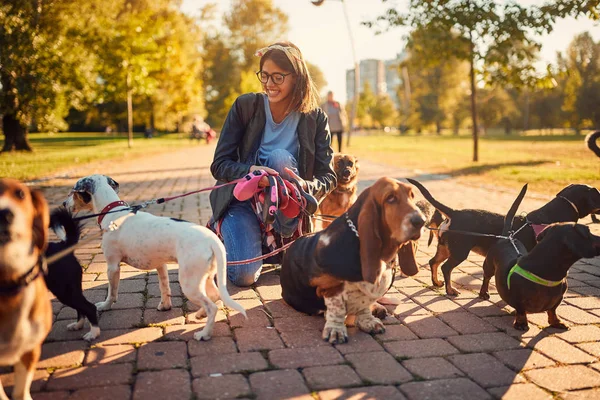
(282, 93)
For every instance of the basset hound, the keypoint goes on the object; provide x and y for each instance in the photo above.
(25, 311)
(343, 269)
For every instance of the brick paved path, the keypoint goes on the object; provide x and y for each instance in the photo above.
(434, 347)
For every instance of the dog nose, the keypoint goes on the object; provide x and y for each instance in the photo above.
(417, 221)
(346, 173)
(6, 216)
(64, 203)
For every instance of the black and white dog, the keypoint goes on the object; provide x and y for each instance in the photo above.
(65, 274)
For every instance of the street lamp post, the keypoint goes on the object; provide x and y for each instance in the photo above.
(356, 68)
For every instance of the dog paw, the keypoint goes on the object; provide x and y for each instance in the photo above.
(75, 326)
(164, 306)
(437, 283)
(378, 311)
(104, 305)
(450, 291)
(92, 334)
(371, 325)
(335, 334)
(560, 325)
(202, 335)
(484, 295)
(521, 326)
(201, 313)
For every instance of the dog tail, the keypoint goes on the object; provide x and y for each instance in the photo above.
(590, 140)
(220, 258)
(61, 218)
(508, 220)
(447, 211)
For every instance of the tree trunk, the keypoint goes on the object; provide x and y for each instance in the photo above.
(474, 105)
(15, 134)
(129, 112)
(438, 128)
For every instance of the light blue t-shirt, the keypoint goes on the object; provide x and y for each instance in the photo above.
(278, 136)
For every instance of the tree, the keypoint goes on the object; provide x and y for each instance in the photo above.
(45, 64)
(384, 111)
(495, 106)
(478, 31)
(317, 75)
(366, 104)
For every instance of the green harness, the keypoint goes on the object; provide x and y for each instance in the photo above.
(531, 277)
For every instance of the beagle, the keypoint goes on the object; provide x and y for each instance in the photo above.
(25, 311)
(343, 268)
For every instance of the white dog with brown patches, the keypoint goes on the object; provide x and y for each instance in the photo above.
(147, 242)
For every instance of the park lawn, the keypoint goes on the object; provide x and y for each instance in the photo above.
(56, 152)
(547, 163)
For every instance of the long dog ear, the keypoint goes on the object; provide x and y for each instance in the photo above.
(113, 184)
(41, 220)
(407, 258)
(371, 246)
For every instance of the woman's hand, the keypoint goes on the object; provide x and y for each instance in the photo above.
(301, 181)
(264, 182)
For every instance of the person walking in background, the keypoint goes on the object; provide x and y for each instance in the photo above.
(337, 118)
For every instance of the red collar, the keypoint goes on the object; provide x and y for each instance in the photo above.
(109, 207)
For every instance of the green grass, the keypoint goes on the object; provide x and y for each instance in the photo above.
(56, 152)
(547, 162)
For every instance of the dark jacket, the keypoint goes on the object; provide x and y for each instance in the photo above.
(240, 139)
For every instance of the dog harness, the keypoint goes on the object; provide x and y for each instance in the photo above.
(531, 277)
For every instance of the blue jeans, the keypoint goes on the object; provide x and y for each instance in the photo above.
(241, 228)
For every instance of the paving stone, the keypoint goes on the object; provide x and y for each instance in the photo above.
(227, 363)
(592, 348)
(103, 393)
(120, 353)
(192, 318)
(60, 332)
(279, 385)
(406, 308)
(358, 342)
(379, 368)
(186, 332)
(466, 323)
(153, 302)
(396, 332)
(431, 368)
(484, 369)
(363, 393)
(129, 300)
(83, 377)
(253, 339)
(457, 388)
(585, 302)
(589, 394)
(120, 319)
(221, 387)
(162, 355)
(483, 342)
(523, 359)
(303, 338)
(280, 309)
(127, 336)
(562, 351)
(174, 316)
(257, 317)
(269, 292)
(305, 357)
(481, 308)
(304, 322)
(132, 285)
(519, 392)
(577, 315)
(579, 334)
(571, 377)
(40, 377)
(437, 304)
(62, 395)
(330, 376)
(62, 354)
(154, 289)
(168, 384)
(428, 326)
(216, 345)
(420, 348)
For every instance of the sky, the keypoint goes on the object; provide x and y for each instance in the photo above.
(322, 35)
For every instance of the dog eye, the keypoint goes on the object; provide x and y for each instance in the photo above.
(20, 194)
(390, 199)
(350, 164)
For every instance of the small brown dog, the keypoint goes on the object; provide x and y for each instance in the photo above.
(344, 195)
(25, 311)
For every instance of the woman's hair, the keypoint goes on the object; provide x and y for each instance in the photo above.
(287, 56)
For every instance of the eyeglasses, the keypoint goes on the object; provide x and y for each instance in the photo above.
(276, 77)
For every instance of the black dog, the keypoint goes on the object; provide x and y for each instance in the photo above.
(590, 141)
(536, 282)
(570, 204)
(65, 274)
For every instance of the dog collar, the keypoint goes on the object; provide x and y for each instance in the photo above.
(572, 205)
(351, 224)
(344, 190)
(8, 289)
(531, 277)
(109, 207)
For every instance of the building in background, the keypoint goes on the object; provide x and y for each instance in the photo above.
(382, 75)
